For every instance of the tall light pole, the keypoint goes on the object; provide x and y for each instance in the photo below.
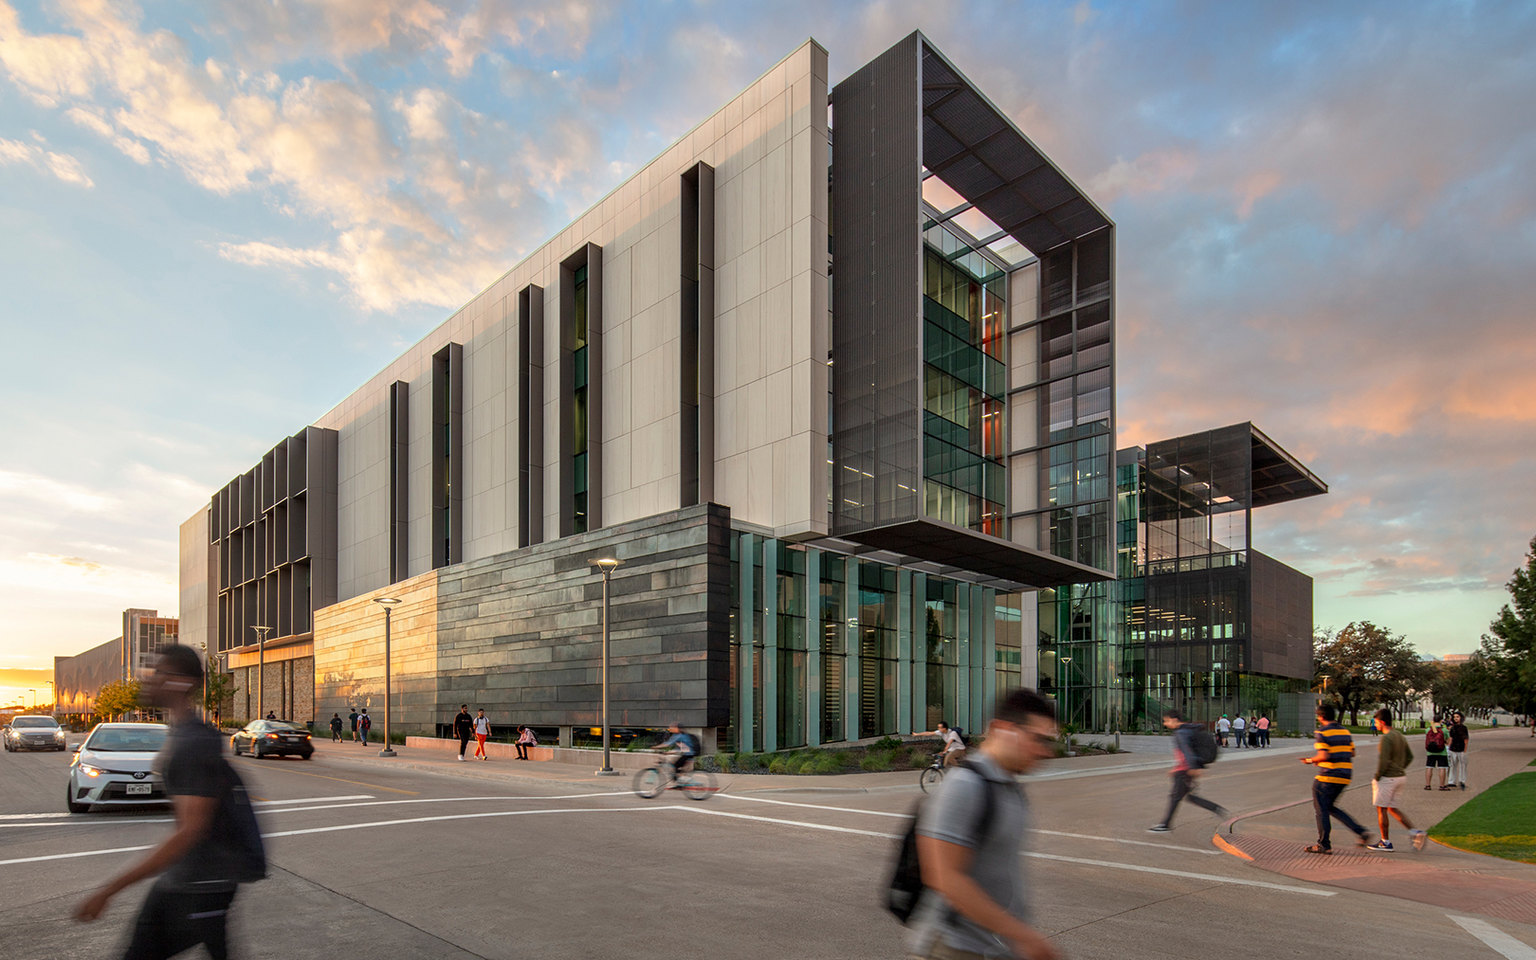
(261, 668)
(33, 692)
(388, 604)
(606, 565)
(203, 646)
(51, 696)
(1066, 682)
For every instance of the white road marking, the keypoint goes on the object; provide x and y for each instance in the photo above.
(1136, 843)
(277, 803)
(83, 822)
(1212, 878)
(71, 856)
(33, 816)
(451, 816)
(1495, 938)
(1183, 873)
(908, 816)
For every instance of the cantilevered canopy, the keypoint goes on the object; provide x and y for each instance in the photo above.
(949, 546)
(1278, 476)
(976, 149)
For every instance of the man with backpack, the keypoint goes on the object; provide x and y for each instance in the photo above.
(364, 724)
(216, 845)
(1193, 749)
(972, 899)
(954, 742)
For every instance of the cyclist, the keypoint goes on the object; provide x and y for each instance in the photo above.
(685, 745)
(954, 745)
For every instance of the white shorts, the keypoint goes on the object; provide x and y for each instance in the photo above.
(1388, 791)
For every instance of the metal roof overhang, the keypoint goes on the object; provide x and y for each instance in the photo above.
(972, 146)
(1279, 477)
(973, 555)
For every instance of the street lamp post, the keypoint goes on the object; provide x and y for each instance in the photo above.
(388, 604)
(201, 645)
(51, 696)
(261, 668)
(1066, 686)
(606, 565)
(33, 692)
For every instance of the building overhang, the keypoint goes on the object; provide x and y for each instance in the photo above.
(1279, 477)
(974, 148)
(949, 550)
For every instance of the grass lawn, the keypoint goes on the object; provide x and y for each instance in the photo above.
(1500, 821)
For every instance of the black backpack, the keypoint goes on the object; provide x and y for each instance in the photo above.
(905, 889)
(1203, 744)
(250, 855)
(964, 741)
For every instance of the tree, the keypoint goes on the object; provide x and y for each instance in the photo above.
(1366, 665)
(1511, 650)
(221, 686)
(117, 698)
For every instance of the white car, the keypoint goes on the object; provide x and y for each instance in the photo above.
(115, 767)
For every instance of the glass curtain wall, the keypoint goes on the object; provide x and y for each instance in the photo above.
(965, 381)
(938, 637)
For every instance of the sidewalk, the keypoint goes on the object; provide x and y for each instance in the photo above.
(1445, 877)
(1154, 753)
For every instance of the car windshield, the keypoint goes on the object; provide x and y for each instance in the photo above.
(48, 722)
(145, 739)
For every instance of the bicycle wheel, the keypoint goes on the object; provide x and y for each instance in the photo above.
(930, 778)
(648, 783)
(699, 785)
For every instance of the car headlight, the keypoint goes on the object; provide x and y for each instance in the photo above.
(91, 771)
(58, 734)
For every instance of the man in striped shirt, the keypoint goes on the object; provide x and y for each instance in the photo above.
(1334, 761)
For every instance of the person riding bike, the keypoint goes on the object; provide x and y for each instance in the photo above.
(954, 743)
(686, 748)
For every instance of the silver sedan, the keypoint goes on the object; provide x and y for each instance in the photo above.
(115, 766)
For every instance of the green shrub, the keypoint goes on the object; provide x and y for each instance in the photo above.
(778, 765)
(886, 744)
(826, 763)
(876, 760)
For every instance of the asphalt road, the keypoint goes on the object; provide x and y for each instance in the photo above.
(374, 861)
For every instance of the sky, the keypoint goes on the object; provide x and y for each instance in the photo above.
(218, 219)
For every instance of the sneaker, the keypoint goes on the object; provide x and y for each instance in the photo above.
(1419, 839)
(1426, 786)
(1160, 828)
(1317, 848)
(1463, 786)
(1385, 845)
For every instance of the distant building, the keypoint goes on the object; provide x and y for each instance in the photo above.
(1198, 620)
(145, 634)
(76, 679)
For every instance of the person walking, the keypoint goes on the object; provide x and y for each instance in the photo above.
(1392, 759)
(1239, 728)
(1458, 735)
(1263, 729)
(525, 739)
(364, 724)
(463, 728)
(1434, 754)
(335, 728)
(216, 843)
(482, 734)
(1223, 729)
(977, 904)
(1335, 762)
(1187, 767)
(352, 717)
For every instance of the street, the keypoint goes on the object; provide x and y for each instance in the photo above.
(374, 860)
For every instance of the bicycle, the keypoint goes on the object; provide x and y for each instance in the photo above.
(932, 774)
(696, 785)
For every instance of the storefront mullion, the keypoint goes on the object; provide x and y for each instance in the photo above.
(770, 580)
(903, 652)
(813, 648)
(917, 602)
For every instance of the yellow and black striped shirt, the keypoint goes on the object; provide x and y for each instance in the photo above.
(1340, 746)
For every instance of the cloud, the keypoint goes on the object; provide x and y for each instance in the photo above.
(60, 165)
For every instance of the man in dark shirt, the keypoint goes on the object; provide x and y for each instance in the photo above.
(1187, 767)
(216, 844)
(352, 718)
(463, 728)
(1457, 732)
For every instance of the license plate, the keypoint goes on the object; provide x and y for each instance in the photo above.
(140, 789)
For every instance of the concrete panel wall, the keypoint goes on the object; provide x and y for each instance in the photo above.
(768, 147)
(198, 582)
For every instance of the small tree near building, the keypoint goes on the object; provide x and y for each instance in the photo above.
(1367, 665)
(1511, 650)
(117, 698)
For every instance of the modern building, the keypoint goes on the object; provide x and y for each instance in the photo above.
(76, 679)
(832, 377)
(1198, 620)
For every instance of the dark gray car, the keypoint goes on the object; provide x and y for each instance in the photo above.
(34, 733)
